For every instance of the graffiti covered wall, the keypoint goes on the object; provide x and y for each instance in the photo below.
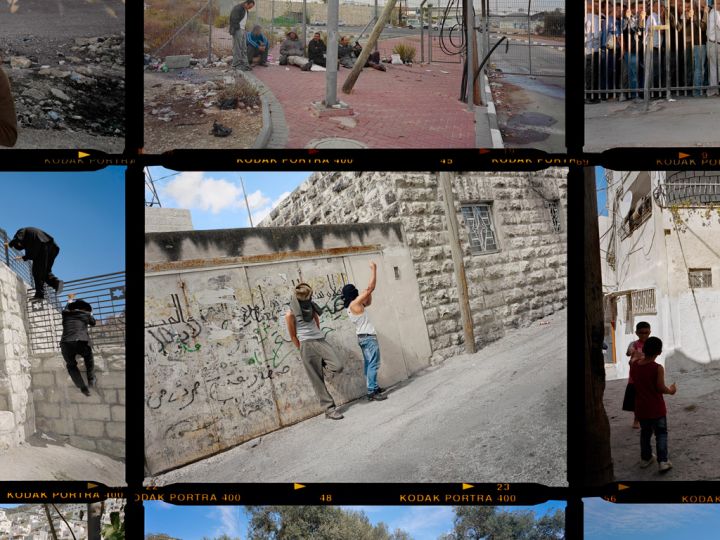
(220, 366)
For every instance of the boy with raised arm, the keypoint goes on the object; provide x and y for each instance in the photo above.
(355, 302)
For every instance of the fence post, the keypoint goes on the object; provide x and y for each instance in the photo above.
(529, 40)
(430, 35)
(469, 28)
(422, 33)
(210, 27)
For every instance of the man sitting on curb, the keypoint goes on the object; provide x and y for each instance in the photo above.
(303, 323)
(291, 52)
(317, 50)
(75, 340)
(257, 46)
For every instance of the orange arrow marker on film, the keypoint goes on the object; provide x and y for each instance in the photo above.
(468, 486)
(91, 485)
(623, 486)
(298, 486)
(682, 155)
(82, 154)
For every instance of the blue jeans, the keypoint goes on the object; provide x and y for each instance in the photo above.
(647, 428)
(371, 355)
(632, 71)
(698, 68)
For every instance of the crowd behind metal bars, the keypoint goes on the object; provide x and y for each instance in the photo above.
(671, 43)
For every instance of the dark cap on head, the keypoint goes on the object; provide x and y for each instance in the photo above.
(349, 293)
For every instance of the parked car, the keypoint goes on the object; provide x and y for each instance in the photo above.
(318, 23)
(413, 23)
(341, 23)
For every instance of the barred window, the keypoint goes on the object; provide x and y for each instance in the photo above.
(555, 215)
(643, 302)
(700, 278)
(481, 230)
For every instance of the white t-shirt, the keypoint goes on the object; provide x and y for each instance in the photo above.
(361, 322)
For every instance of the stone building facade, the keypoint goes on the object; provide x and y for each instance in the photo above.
(512, 234)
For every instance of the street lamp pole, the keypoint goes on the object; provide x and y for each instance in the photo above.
(332, 54)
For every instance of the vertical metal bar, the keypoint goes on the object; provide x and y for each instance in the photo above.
(529, 39)
(210, 27)
(668, 82)
(677, 45)
(422, 33)
(375, 16)
(430, 35)
(332, 54)
(469, 25)
(272, 17)
(304, 26)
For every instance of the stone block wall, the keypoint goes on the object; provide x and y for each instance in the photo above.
(95, 422)
(524, 280)
(17, 420)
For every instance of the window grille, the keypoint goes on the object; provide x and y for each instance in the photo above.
(700, 278)
(643, 302)
(555, 216)
(481, 230)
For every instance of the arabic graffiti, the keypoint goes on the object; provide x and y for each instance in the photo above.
(227, 344)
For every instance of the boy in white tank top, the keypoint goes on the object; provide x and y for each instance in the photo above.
(356, 302)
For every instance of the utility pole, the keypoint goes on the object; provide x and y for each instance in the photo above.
(457, 258)
(469, 36)
(304, 25)
(598, 468)
(247, 204)
(53, 533)
(331, 58)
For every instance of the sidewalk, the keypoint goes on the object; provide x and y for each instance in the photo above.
(685, 122)
(406, 107)
(693, 427)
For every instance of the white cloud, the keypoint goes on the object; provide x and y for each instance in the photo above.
(194, 190)
(257, 200)
(262, 213)
(229, 521)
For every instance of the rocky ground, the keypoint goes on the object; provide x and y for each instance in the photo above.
(66, 63)
(81, 90)
(182, 105)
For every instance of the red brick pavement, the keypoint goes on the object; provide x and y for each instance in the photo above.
(404, 107)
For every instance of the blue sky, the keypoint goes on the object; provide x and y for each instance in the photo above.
(215, 199)
(605, 521)
(83, 211)
(601, 186)
(194, 522)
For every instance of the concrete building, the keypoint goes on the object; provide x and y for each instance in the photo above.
(660, 252)
(512, 239)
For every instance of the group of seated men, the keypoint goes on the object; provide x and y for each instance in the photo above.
(292, 52)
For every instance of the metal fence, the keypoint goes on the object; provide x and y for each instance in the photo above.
(651, 49)
(700, 191)
(9, 257)
(106, 295)
(534, 32)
